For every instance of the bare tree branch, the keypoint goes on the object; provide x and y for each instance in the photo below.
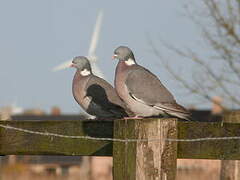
(222, 35)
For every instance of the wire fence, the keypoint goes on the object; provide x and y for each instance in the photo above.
(116, 139)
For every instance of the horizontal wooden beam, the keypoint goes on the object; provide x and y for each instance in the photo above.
(22, 143)
(214, 149)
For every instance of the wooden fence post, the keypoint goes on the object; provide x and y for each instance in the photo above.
(142, 160)
(230, 169)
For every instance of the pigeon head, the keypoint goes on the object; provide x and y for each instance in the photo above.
(81, 63)
(123, 53)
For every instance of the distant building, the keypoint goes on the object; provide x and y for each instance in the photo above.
(217, 107)
(36, 112)
(55, 111)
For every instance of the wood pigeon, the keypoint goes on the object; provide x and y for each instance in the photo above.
(95, 95)
(142, 91)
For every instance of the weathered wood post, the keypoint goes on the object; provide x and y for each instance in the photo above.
(145, 160)
(230, 169)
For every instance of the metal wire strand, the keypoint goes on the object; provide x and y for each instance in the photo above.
(115, 139)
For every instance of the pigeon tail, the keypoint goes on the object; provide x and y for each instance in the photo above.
(185, 116)
(176, 110)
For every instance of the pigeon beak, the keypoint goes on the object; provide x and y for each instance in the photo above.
(114, 56)
(72, 65)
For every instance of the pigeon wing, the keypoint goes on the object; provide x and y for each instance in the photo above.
(146, 87)
(104, 95)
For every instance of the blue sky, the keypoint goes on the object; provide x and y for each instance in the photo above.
(38, 35)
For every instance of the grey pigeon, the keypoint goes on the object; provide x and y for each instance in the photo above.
(96, 96)
(142, 91)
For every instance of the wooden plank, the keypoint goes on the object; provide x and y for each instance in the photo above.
(230, 169)
(124, 166)
(215, 149)
(21, 143)
(145, 160)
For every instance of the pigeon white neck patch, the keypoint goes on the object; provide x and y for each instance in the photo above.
(85, 72)
(130, 62)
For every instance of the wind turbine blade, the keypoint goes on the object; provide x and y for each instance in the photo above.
(95, 35)
(96, 70)
(62, 66)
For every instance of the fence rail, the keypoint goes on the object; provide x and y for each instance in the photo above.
(141, 149)
(197, 140)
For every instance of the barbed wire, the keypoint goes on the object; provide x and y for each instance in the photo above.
(116, 139)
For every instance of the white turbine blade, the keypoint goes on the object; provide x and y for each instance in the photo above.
(96, 70)
(95, 35)
(62, 66)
